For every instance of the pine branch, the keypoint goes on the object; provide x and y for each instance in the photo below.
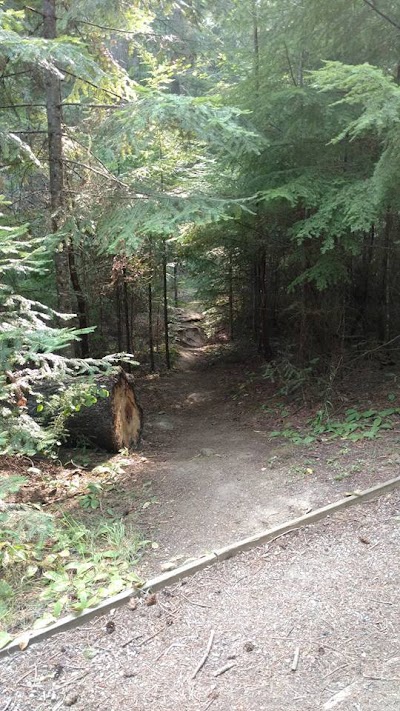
(373, 7)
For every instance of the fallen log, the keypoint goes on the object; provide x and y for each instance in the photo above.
(112, 423)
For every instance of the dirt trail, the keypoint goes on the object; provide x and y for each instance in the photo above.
(216, 473)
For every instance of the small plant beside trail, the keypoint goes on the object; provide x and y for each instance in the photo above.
(355, 426)
(51, 564)
(291, 379)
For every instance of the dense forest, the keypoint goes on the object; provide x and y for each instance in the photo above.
(243, 154)
(249, 147)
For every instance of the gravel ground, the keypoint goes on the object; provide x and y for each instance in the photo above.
(328, 592)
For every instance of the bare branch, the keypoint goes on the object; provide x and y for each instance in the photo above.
(25, 133)
(117, 29)
(373, 7)
(95, 86)
(106, 175)
(22, 106)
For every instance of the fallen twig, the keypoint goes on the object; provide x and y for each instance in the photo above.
(7, 705)
(205, 655)
(379, 602)
(225, 668)
(285, 533)
(74, 680)
(25, 675)
(296, 656)
(144, 641)
(336, 669)
(130, 640)
(381, 678)
(192, 602)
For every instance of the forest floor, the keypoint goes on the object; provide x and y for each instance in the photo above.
(327, 594)
(208, 473)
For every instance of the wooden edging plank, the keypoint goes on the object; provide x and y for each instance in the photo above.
(188, 569)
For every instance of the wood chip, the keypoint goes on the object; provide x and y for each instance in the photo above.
(296, 656)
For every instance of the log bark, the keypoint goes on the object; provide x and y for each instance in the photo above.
(114, 422)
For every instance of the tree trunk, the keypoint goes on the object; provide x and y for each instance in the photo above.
(256, 49)
(128, 336)
(165, 298)
(119, 317)
(230, 279)
(386, 311)
(80, 299)
(56, 168)
(176, 284)
(363, 296)
(264, 343)
(151, 342)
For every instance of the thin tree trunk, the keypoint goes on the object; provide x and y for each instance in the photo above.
(365, 288)
(151, 343)
(256, 48)
(255, 299)
(80, 299)
(230, 278)
(158, 328)
(176, 284)
(386, 315)
(119, 317)
(56, 172)
(132, 317)
(128, 339)
(264, 344)
(165, 298)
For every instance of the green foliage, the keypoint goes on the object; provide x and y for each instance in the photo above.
(30, 346)
(367, 88)
(291, 378)
(354, 427)
(61, 564)
(91, 500)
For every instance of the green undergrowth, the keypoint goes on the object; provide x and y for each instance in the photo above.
(354, 426)
(54, 563)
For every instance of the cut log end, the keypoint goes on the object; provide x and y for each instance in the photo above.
(127, 414)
